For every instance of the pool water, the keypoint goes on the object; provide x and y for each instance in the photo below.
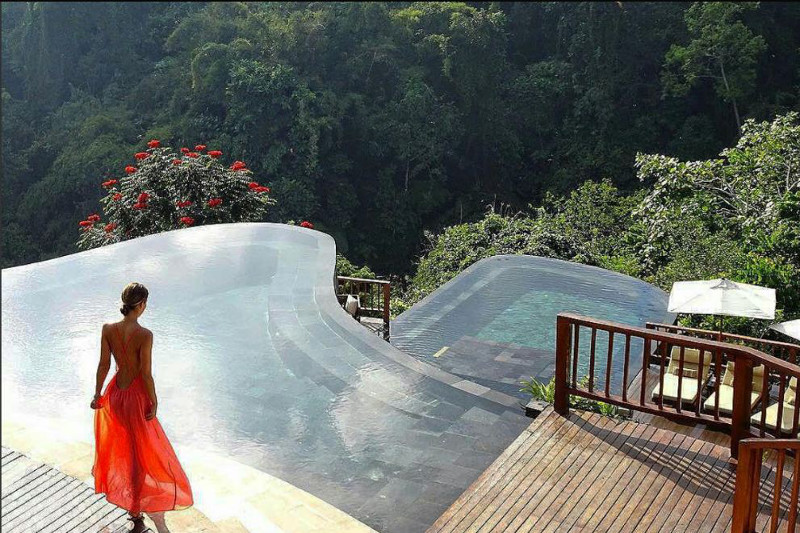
(514, 301)
(254, 360)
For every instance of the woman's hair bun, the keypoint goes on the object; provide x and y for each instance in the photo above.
(132, 295)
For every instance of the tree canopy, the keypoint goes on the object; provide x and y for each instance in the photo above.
(377, 121)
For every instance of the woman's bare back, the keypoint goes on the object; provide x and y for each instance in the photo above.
(126, 356)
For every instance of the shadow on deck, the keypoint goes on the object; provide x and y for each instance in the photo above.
(588, 472)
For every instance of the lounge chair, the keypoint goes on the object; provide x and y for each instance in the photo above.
(726, 390)
(691, 366)
(789, 398)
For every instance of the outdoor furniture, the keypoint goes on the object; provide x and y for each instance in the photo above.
(353, 305)
(691, 367)
(789, 400)
(726, 390)
(790, 328)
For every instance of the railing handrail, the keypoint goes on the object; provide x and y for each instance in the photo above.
(757, 443)
(683, 340)
(738, 413)
(364, 280)
(736, 336)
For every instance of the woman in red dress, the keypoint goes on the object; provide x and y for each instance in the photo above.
(134, 465)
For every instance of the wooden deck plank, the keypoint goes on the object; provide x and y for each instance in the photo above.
(542, 516)
(480, 488)
(608, 490)
(590, 473)
(563, 443)
(719, 476)
(683, 475)
(107, 518)
(39, 516)
(478, 515)
(553, 482)
(647, 513)
(41, 498)
(639, 486)
(36, 497)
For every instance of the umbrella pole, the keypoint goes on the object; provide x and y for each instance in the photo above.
(721, 318)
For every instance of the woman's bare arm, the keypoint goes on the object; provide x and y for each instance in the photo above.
(147, 376)
(105, 362)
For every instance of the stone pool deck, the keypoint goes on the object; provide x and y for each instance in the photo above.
(500, 366)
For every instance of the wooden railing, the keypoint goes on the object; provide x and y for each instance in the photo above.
(749, 485)
(657, 348)
(782, 350)
(373, 294)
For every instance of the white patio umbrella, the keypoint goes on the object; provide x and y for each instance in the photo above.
(722, 297)
(790, 328)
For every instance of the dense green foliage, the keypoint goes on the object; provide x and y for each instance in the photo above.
(169, 191)
(734, 216)
(379, 121)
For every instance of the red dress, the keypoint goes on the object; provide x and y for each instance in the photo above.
(134, 464)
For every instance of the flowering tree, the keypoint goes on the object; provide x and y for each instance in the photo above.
(165, 191)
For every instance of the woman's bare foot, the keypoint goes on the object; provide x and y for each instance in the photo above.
(159, 521)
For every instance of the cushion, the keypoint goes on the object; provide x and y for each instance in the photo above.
(351, 305)
(688, 372)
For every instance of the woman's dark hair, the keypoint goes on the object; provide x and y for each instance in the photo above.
(132, 295)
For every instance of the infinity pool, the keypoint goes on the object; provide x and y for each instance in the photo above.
(495, 322)
(255, 360)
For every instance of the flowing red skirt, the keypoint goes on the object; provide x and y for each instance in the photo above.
(135, 465)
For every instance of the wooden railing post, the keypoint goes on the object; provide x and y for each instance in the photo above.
(742, 491)
(563, 345)
(386, 295)
(742, 387)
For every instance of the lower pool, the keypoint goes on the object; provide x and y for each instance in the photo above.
(495, 323)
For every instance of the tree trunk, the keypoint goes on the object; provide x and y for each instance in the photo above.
(733, 100)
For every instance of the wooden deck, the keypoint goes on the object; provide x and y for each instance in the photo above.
(38, 498)
(593, 473)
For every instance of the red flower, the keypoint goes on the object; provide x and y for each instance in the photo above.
(117, 196)
(184, 203)
(130, 169)
(176, 162)
(185, 150)
(306, 224)
(192, 154)
(261, 189)
(238, 165)
(187, 220)
(141, 155)
(110, 227)
(214, 202)
(214, 153)
(200, 147)
(109, 183)
(253, 185)
(155, 143)
(143, 197)
(86, 223)
(139, 205)
(93, 217)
